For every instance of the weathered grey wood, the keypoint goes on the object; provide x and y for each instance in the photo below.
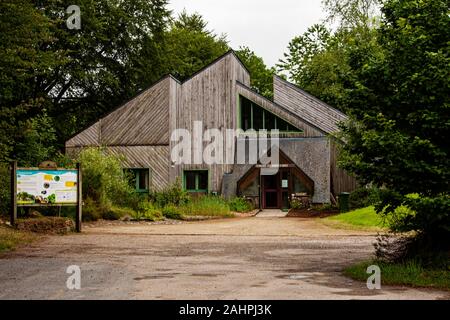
(140, 130)
(307, 106)
(341, 181)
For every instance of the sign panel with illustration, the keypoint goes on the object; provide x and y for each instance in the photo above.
(46, 187)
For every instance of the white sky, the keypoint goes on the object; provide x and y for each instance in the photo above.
(266, 26)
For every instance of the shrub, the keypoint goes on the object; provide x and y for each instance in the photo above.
(364, 197)
(91, 211)
(172, 195)
(172, 212)
(240, 204)
(103, 178)
(207, 206)
(148, 211)
(116, 213)
(325, 207)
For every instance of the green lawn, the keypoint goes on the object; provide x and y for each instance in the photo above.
(410, 273)
(10, 238)
(364, 218)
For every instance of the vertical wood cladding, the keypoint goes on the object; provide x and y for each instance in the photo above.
(341, 181)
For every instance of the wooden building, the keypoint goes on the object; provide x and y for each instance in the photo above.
(221, 98)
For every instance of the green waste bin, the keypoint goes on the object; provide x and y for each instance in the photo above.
(343, 202)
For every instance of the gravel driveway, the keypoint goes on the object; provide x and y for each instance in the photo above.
(244, 258)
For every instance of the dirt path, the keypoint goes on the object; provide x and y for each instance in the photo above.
(248, 258)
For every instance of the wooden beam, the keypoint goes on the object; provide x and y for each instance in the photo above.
(13, 209)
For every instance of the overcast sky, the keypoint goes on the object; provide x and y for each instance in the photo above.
(266, 26)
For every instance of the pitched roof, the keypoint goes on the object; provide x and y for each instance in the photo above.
(306, 106)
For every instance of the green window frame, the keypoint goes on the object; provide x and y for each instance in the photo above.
(253, 116)
(139, 179)
(196, 180)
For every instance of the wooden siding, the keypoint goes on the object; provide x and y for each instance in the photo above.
(306, 106)
(153, 157)
(276, 109)
(89, 137)
(341, 181)
(143, 120)
(210, 97)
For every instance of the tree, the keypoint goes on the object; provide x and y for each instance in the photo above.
(321, 61)
(398, 138)
(25, 37)
(352, 13)
(189, 45)
(74, 75)
(261, 75)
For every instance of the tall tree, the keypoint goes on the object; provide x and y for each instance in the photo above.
(261, 75)
(25, 37)
(189, 45)
(400, 104)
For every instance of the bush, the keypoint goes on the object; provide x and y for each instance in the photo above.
(91, 211)
(207, 206)
(103, 178)
(325, 207)
(116, 213)
(172, 195)
(364, 197)
(172, 212)
(239, 204)
(147, 211)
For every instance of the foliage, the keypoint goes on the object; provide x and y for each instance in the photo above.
(171, 195)
(172, 212)
(318, 61)
(411, 273)
(91, 211)
(397, 139)
(147, 211)
(324, 207)
(116, 213)
(103, 178)
(261, 76)
(351, 13)
(11, 238)
(207, 206)
(189, 46)
(38, 143)
(363, 197)
(239, 204)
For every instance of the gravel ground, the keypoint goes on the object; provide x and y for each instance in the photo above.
(241, 258)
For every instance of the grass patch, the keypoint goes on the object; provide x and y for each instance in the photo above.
(207, 206)
(10, 238)
(359, 219)
(410, 273)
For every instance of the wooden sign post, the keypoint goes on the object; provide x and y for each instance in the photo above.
(46, 186)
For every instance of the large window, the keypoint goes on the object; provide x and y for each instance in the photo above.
(252, 116)
(139, 179)
(196, 181)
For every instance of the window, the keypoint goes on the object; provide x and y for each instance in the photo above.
(196, 181)
(139, 179)
(255, 117)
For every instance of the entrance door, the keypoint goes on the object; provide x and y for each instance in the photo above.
(270, 190)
